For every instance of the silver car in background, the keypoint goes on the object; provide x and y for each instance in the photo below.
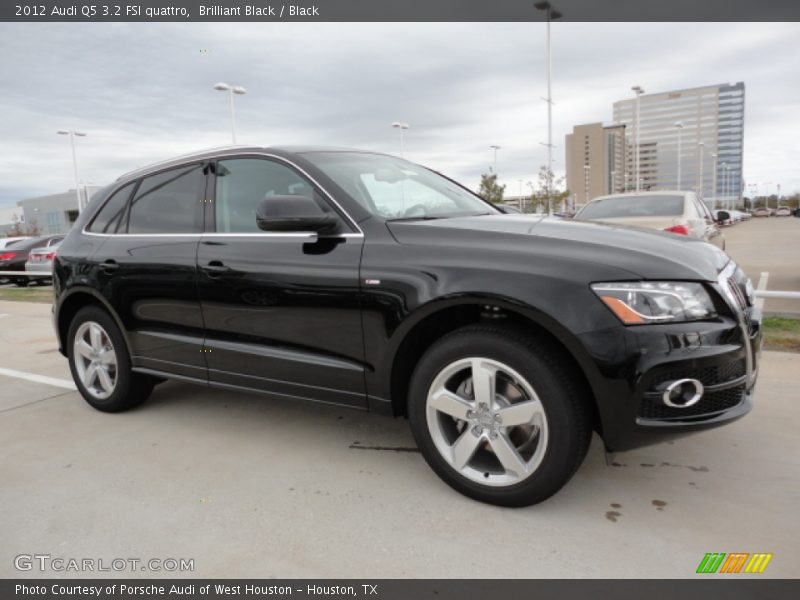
(41, 259)
(681, 213)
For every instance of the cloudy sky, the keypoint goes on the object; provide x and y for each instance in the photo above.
(143, 91)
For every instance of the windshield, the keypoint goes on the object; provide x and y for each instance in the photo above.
(393, 188)
(616, 207)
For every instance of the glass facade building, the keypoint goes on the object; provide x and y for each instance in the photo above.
(711, 140)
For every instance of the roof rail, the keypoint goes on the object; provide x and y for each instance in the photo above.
(181, 157)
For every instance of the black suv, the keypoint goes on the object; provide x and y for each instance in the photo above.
(364, 280)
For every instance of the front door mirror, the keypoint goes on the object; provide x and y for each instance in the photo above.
(293, 213)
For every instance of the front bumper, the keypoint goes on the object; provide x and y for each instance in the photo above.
(722, 354)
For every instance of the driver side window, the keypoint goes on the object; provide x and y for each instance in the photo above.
(242, 183)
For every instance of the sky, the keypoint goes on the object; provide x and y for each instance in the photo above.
(144, 92)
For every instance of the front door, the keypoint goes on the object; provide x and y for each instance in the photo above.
(281, 310)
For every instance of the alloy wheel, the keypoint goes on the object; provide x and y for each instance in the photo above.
(487, 422)
(95, 360)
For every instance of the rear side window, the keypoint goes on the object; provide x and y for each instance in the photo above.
(169, 202)
(630, 205)
(112, 215)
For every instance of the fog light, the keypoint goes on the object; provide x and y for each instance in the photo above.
(682, 393)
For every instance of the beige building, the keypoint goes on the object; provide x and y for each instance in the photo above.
(595, 159)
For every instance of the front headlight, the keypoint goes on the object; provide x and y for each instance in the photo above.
(642, 302)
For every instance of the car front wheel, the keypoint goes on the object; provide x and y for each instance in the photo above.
(498, 415)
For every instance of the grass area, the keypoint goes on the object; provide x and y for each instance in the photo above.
(782, 334)
(33, 293)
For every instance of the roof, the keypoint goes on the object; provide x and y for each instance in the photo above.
(212, 152)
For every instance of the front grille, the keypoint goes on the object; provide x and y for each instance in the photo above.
(708, 376)
(709, 404)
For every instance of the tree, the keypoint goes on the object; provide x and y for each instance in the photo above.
(18, 229)
(547, 189)
(490, 190)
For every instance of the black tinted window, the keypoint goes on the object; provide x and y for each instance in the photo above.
(112, 214)
(169, 202)
(631, 205)
(242, 183)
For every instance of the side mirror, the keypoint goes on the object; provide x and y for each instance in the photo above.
(293, 213)
(722, 216)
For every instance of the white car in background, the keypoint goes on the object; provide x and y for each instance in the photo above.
(681, 213)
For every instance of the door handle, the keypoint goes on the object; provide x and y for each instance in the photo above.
(109, 266)
(215, 268)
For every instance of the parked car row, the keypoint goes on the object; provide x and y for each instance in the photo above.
(781, 211)
(29, 254)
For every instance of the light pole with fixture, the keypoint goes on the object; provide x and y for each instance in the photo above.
(679, 127)
(231, 89)
(552, 15)
(72, 135)
(495, 148)
(637, 89)
(402, 127)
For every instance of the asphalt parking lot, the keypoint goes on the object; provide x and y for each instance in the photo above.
(769, 245)
(251, 486)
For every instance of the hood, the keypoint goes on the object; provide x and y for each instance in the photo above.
(644, 253)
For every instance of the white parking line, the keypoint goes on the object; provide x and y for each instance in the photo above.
(62, 383)
(762, 285)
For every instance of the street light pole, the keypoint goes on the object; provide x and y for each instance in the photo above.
(402, 127)
(638, 90)
(701, 188)
(495, 148)
(552, 15)
(725, 183)
(231, 89)
(714, 181)
(72, 135)
(679, 127)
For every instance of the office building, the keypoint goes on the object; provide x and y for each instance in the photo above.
(595, 161)
(706, 123)
(54, 213)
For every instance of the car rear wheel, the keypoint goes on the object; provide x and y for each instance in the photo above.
(498, 416)
(100, 363)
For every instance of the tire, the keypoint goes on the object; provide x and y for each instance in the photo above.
(20, 282)
(127, 389)
(549, 438)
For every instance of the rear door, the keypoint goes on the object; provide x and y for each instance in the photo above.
(281, 310)
(146, 267)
